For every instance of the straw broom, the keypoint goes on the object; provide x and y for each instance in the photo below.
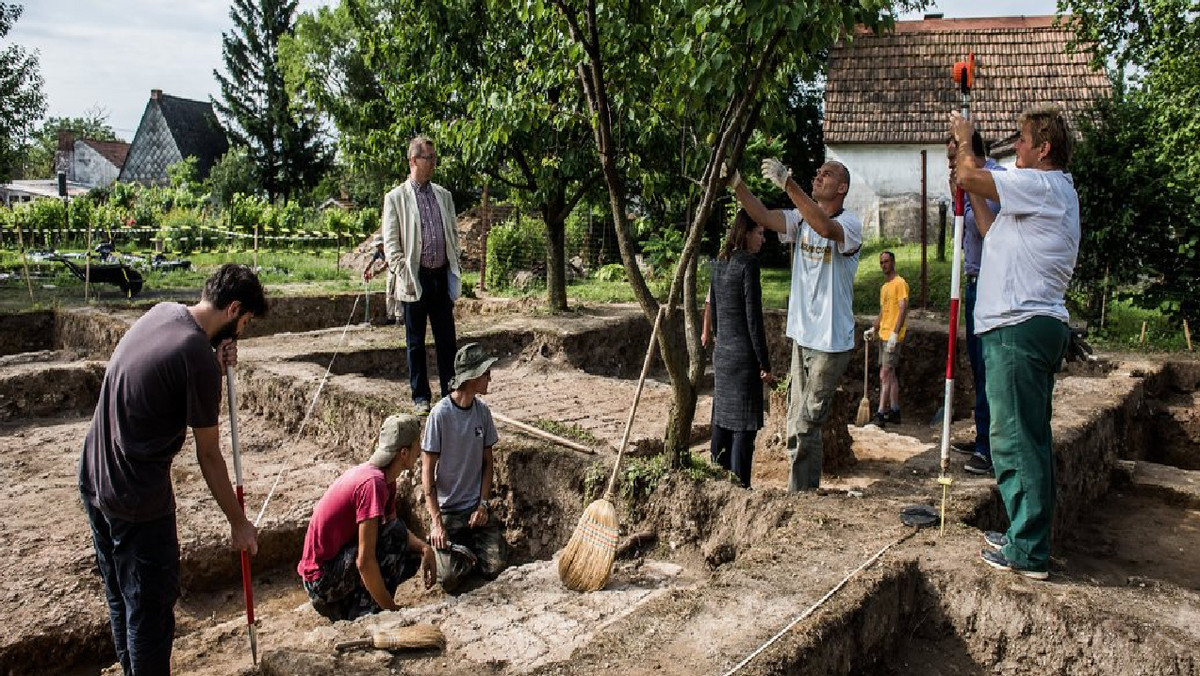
(414, 637)
(864, 406)
(587, 560)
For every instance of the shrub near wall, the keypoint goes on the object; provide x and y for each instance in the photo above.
(514, 246)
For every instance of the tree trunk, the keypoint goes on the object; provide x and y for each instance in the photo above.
(556, 259)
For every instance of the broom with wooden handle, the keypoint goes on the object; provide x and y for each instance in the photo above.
(413, 637)
(587, 560)
(864, 406)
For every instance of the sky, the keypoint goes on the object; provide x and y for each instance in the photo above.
(111, 53)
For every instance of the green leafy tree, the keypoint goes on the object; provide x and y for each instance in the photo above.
(712, 69)
(498, 116)
(38, 161)
(22, 101)
(1138, 167)
(283, 139)
(234, 173)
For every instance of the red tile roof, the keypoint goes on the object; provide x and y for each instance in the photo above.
(897, 88)
(113, 151)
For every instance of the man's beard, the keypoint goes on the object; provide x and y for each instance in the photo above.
(229, 330)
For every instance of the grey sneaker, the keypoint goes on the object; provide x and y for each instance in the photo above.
(977, 464)
(995, 540)
(998, 561)
(422, 407)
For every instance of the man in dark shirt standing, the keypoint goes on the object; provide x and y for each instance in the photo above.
(163, 378)
(421, 243)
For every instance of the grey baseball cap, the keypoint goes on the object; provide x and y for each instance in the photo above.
(469, 363)
(398, 431)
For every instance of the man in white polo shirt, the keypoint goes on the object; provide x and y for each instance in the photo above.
(1029, 252)
(820, 318)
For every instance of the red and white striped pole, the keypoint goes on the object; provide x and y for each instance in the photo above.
(247, 587)
(964, 75)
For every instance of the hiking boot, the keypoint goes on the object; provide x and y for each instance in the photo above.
(879, 419)
(995, 540)
(893, 416)
(997, 560)
(963, 447)
(977, 464)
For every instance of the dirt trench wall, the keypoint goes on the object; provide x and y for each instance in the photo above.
(42, 391)
(870, 617)
(1015, 631)
(26, 332)
(1086, 452)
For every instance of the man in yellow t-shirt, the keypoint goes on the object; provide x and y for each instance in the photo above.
(890, 326)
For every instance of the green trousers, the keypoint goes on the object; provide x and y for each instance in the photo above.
(1021, 361)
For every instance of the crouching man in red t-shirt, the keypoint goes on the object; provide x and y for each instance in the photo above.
(356, 552)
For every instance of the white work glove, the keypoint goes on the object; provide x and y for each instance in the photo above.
(869, 334)
(731, 176)
(891, 344)
(774, 171)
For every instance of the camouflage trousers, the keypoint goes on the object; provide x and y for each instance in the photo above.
(485, 547)
(339, 593)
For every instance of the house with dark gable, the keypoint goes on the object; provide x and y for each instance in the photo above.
(888, 97)
(172, 129)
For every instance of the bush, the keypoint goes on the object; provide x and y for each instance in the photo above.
(513, 246)
(180, 231)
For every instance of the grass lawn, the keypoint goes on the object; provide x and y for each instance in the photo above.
(315, 272)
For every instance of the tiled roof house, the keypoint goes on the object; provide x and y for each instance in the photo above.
(888, 97)
(172, 129)
(88, 162)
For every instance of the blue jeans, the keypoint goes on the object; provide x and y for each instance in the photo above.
(139, 563)
(733, 450)
(435, 308)
(979, 372)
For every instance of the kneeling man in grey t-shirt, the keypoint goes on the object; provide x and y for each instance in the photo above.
(456, 474)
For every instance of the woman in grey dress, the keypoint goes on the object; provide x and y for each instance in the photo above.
(740, 362)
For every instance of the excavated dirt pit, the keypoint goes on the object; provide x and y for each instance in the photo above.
(716, 570)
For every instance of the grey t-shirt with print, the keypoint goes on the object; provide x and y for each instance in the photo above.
(459, 436)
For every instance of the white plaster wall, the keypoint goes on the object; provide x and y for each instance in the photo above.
(91, 168)
(882, 171)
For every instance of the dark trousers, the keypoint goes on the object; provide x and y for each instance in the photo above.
(979, 373)
(139, 563)
(436, 308)
(339, 594)
(734, 451)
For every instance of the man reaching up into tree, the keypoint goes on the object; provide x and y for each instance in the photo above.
(820, 318)
(1029, 253)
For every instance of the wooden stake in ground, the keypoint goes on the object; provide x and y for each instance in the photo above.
(1188, 335)
(587, 560)
(414, 637)
(864, 406)
(1142, 340)
(543, 434)
(24, 261)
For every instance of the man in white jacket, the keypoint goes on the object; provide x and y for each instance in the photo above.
(421, 245)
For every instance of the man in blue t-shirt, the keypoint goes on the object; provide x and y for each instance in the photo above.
(456, 474)
(820, 319)
(980, 451)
